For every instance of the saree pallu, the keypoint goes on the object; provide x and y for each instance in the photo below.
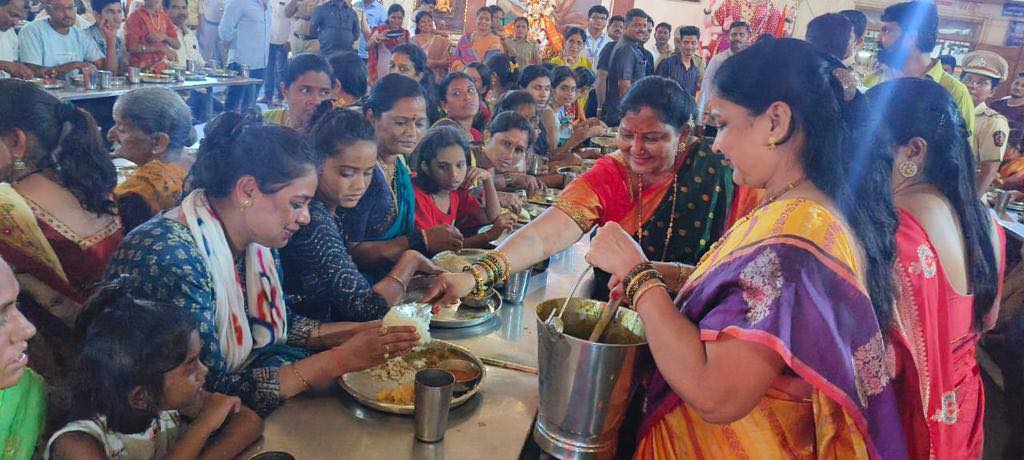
(787, 279)
(933, 333)
(22, 408)
(469, 50)
(678, 219)
(54, 268)
(379, 57)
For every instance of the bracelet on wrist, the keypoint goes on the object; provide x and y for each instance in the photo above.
(634, 284)
(405, 287)
(645, 289)
(295, 370)
(643, 266)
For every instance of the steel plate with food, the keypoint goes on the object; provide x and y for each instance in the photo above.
(48, 83)
(529, 212)
(544, 198)
(389, 387)
(455, 261)
(156, 78)
(602, 141)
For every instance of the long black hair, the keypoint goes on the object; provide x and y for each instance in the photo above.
(240, 145)
(915, 107)
(794, 72)
(129, 343)
(69, 142)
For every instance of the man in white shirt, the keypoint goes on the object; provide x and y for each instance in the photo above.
(280, 32)
(597, 19)
(55, 47)
(11, 11)
(739, 40)
(199, 100)
(209, 38)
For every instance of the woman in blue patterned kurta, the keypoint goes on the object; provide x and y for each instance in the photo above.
(212, 256)
(320, 277)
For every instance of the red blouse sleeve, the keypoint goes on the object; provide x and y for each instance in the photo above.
(135, 30)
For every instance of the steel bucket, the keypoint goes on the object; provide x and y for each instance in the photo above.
(585, 387)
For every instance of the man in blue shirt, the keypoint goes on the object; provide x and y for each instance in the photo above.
(109, 16)
(629, 63)
(54, 46)
(246, 27)
(336, 24)
(373, 14)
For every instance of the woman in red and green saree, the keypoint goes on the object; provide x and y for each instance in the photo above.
(22, 392)
(949, 268)
(670, 193)
(58, 224)
(774, 348)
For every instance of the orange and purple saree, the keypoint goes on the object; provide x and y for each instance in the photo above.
(786, 278)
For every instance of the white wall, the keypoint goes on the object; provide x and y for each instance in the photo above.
(675, 12)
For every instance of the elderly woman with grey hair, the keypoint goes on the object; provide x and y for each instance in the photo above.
(152, 127)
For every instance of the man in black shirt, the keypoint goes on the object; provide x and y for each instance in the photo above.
(337, 26)
(615, 25)
(628, 64)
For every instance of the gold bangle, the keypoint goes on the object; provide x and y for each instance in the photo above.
(480, 290)
(501, 255)
(405, 287)
(684, 273)
(637, 281)
(295, 370)
(641, 267)
(644, 289)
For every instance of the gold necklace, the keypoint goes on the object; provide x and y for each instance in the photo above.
(769, 200)
(389, 175)
(640, 211)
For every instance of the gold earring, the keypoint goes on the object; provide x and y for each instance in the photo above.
(19, 167)
(245, 204)
(771, 142)
(908, 169)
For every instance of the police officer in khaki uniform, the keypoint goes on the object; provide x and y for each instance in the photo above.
(300, 12)
(983, 71)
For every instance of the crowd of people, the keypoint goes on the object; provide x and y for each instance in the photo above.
(802, 236)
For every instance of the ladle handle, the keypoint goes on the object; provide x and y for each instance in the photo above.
(606, 318)
(579, 280)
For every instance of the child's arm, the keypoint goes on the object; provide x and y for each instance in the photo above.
(77, 445)
(240, 430)
(217, 409)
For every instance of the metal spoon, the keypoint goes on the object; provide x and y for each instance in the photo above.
(555, 322)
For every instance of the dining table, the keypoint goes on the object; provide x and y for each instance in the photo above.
(495, 424)
(78, 93)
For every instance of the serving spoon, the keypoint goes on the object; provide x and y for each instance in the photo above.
(555, 322)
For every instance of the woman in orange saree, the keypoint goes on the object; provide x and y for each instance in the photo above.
(58, 225)
(949, 268)
(671, 193)
(774, 347)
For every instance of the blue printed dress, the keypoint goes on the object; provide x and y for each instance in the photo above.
(165, 265)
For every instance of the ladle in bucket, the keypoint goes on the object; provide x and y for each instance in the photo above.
(555, 322)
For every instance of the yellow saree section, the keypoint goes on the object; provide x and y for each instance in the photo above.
(793, 420)
(158, 183)
(780, 426)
